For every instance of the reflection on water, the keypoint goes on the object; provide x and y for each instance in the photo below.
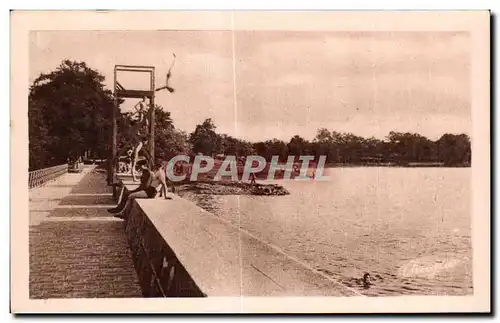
(408, 228)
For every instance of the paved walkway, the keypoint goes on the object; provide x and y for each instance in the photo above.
(76, 249)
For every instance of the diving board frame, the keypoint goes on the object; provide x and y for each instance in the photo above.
(122, 93)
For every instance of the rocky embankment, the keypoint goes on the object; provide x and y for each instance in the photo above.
(230, 188)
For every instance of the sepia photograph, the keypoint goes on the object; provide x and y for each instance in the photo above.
(252, 158)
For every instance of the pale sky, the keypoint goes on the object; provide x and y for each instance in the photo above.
(285, 83)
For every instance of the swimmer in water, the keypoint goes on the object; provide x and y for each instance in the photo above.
(366, 280)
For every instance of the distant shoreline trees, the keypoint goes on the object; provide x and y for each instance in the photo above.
(69, 112)
(399, 148)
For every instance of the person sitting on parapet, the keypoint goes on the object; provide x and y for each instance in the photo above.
(150, 182)
(159, 181)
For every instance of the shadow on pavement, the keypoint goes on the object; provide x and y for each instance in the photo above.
(87, 200)
(79, 212)
(93, 182)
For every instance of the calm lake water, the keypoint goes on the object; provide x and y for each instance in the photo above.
(410, 228)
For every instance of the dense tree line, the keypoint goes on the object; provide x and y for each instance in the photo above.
(341, 148)
(70, 112)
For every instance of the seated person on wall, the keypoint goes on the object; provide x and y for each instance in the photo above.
(152, 183)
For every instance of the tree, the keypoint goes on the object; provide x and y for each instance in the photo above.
(411, 147)
(204, 139)
(270, 148)
(323, 136)
(69, 112)
(350, 147)
(231, 146)
(454, 149)
(327, 144)
(169, 141)
(298, 146)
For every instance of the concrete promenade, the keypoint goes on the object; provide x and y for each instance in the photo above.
(77, 250)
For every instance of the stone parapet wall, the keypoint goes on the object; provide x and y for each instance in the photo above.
(160, 273)
(182, 250)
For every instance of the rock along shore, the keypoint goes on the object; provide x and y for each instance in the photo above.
(230, 188)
